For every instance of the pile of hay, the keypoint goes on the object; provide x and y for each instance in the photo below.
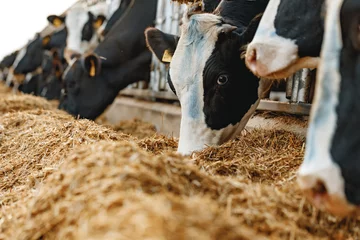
(135, 128)
(4, 89)
(34, 143)
(22, 102)
(270, 157)
(118, 190)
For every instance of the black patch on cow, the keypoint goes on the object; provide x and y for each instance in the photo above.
(8, 60)
(33, 57)
(118, 14)
(88, 29)
(345, 149)
(228, 103)
(301, 21)
(127, 61)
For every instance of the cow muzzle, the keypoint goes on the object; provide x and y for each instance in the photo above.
(70, 54)
(266, 59)
(324, 188)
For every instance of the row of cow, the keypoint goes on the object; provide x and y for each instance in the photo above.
(276, 38)
(220, 66)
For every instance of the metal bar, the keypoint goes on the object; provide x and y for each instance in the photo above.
(303, 86)
(295, 87)
(293, 108)
(289, 86)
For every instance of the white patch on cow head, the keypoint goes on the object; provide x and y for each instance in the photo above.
(318, 165)
(272, 56)
(199, 34)
(19, 57)
(75, 21)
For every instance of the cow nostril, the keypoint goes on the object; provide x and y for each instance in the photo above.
(319, 188)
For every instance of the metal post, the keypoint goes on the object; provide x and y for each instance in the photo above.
(289, 86)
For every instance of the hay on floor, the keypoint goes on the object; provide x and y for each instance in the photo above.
(22, 102)
(164, 196)
(34, 143)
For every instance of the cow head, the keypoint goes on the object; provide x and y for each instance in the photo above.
(51, 82)
(30, 57)
(288, 38)
(82, 26)
(330, 172)
(216, 91)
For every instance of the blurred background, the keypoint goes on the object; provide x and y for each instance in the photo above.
(21, 19)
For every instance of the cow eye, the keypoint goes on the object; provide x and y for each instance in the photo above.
(222, 80)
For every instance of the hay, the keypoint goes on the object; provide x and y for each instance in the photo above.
(34, 143)
(4, 89)
(270, 157)
(135, 127)
(22, 102)
(119, 191)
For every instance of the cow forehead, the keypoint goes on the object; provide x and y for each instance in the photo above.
(197, 41)
(76, 18)
(200, 24)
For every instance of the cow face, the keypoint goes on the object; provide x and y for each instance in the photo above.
(288, 39)
(216, 91)
(81, 27)
(50, 84)
(30, 57)
(84, 94)
(330, 172)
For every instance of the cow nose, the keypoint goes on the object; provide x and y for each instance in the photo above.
(71, 54)
(315, 189)
(254, 57)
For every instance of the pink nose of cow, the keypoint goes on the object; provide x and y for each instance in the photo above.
(254, 57)
(316, 192)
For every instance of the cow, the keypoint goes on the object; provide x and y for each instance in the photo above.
(82, 24)
(6, 63)
(330, 172)
(93, 81)
(218, 94)
(115, 14)
(29, 59)
(288, 39)
(51, 82)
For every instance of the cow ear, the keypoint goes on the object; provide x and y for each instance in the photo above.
(99, 21)
(56, 21)
(161, 44)
(46, 40)
(92, 64)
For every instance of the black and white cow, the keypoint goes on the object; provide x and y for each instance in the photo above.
(51, 83)
(116, 14)
(29, 59)
(331, 169)
(93, 81)
(82, 24)
(6, 63)
(288, 39)
(218, 94)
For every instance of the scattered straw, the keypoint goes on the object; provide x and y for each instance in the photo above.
(34, 143)
(116, 190)
(263, 156)
(22, 102)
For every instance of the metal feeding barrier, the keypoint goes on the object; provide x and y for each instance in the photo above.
(299, 87)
